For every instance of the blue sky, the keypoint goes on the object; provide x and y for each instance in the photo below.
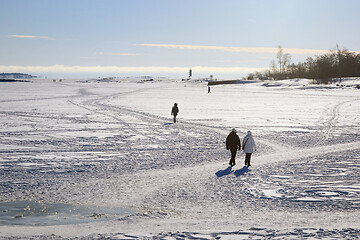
(224, 38)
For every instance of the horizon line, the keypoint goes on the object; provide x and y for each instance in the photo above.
(117, 69)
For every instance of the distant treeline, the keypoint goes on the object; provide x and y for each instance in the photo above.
(336, 64)
(16, 75)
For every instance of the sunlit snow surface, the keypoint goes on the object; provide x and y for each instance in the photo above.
(112, 145)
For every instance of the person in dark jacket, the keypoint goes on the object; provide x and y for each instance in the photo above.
(175, 111)
(233, 144)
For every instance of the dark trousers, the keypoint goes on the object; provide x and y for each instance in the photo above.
(233, 155)
(247, 159)
(175, 118)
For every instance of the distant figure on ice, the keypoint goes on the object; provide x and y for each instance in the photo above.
(175, 111)
(233, 143)
(209, 90)
(249, 147)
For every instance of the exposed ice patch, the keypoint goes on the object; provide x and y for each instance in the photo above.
(36, 213)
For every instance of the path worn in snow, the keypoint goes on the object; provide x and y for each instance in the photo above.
(113, 144)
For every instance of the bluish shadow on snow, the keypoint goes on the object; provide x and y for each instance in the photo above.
(242, 171)
(224, 172)
(165, 124)
(229, 170)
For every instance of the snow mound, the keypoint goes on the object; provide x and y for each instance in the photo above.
(310, 84)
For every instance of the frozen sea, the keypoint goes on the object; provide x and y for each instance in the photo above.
(91, 159)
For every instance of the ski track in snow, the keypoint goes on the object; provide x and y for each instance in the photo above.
(106, 153)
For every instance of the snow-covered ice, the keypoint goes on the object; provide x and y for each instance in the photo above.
(111, 145)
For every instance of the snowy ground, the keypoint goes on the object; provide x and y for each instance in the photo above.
(106, 146)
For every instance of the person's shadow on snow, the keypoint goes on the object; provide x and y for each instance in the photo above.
(242, 171)
(229, 170)
(224, 172)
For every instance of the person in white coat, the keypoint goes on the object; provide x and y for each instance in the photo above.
(248, 145)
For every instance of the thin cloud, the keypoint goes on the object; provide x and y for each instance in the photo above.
(30, 37)
(296, 51)
(116, 69)
(119, 54)
(124, 54)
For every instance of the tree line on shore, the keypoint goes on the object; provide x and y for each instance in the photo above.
(333, 65)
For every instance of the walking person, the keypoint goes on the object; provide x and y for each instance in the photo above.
(249, 147)
(175, 111)
(233, 144)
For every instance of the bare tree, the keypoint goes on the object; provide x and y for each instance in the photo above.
(279, 57)
(336, 64)
(273, 70)
(284, 60)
